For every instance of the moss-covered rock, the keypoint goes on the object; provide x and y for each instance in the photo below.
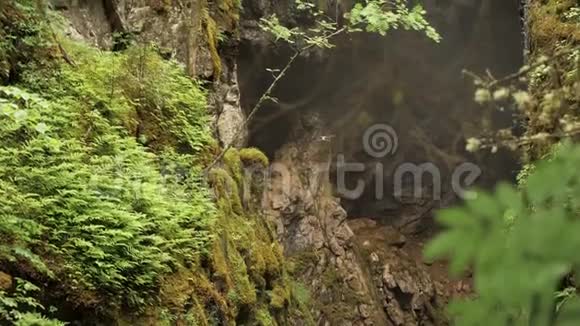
(227, 191)
(280, 296)
(252, 156)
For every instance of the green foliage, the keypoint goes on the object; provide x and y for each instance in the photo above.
(102, 209)
(101, 198)
(24, 38)
(280, 32)
(518, 263)
(82, 201)
(170, 107)
(375, 16)
(381, 16)
(21, 308)
(151, 98)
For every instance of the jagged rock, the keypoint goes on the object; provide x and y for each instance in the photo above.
(308, 218)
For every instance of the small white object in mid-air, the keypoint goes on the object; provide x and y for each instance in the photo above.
(326, 138)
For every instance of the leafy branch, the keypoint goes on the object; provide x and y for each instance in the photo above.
(520, 245)
(547, 108)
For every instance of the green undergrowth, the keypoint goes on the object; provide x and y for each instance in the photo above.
(24, 40)
(104, 215)
(99, 170)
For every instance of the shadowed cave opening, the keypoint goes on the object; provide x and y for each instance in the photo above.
(405, 81)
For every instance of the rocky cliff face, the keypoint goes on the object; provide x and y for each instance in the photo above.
(353, 282)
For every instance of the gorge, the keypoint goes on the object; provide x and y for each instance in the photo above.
(273, 232)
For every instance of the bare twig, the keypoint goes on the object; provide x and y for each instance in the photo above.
(266, 96)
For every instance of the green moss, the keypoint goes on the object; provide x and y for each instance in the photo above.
(230, 12)
(244, 288)
(234, 165)
(264, 318)
(279, 296)
(252, 156)
(218, 16)
(255, 165)
(265, 266)
(219, 262)
(227, 191)
(212, 32)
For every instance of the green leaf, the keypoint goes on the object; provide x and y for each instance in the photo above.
(41, 127)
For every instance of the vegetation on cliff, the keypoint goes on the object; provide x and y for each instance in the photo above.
(521, 242)
(104, 215)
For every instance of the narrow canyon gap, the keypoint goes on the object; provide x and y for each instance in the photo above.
(403, 80)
